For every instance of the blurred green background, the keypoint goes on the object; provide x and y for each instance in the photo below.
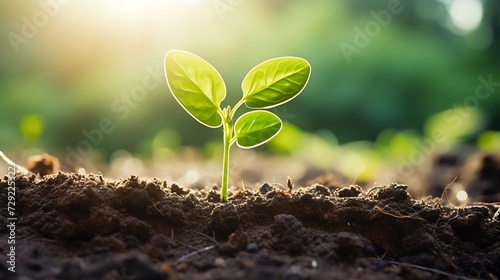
(385, 74)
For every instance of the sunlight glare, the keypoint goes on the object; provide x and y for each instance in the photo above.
(127, 7)
(192, 2)
(192, 176)
(462, 195)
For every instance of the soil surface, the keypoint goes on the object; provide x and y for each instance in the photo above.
(72, 226)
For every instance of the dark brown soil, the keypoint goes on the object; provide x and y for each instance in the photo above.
(71, 226)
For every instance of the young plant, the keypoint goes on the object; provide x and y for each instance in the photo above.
(199, 89)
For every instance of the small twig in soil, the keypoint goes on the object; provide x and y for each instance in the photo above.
(452, 276)
(289, 184)
(445, 191)
(373, 189)
(185, 245)
(183, 258)
(453, 216)
(427, 200)
(209, 237)
(278, 184)
(154, 205)
(101, 179)
(394, 215)
(383, 256)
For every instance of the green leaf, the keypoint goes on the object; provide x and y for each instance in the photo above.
(256, 128)
(275, 82)
(196, 85)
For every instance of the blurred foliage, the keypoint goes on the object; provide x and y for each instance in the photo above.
(489, 141)
(32, 127)
(89, 59)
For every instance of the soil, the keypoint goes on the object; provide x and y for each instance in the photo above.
(72, 226)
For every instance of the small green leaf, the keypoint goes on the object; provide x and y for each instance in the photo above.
(196, 85)
(275, 82)
(256, 128)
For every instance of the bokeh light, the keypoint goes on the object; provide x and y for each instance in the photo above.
(422, 69)
(466, 14)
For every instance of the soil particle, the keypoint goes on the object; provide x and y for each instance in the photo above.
(224, 219)
(213, 196)
(321, 190)
(122, 266)
(396, 193)
(351, 191)
(172, 213)
(178, 190)
(154, 191)
(133, 200)
(43, 164)
(252, 247)
(73, 226)
(348, 247)
(265, 188)
(486, 184)
(473, 216)
(431, 214)
(237, 242)
(288, 234)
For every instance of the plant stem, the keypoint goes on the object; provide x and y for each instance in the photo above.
(236, 107)
(228, 129)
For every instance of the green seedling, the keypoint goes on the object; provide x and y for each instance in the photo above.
(199, 89)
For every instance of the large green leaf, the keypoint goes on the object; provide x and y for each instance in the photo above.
(275, 82)
(196, 85)
(256, 128)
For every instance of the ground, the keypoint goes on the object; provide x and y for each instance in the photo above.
(72, 226)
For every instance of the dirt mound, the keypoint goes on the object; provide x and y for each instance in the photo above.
(72, 226)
